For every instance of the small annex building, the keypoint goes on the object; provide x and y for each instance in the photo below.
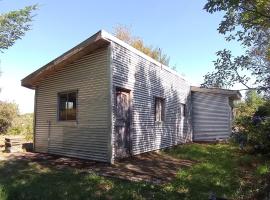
(104, 100)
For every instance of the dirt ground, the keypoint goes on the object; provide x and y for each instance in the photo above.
(152, 167)
(2, 143)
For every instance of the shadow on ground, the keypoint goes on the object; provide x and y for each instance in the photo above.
(43, 176)
(151, 167)
(185, 172)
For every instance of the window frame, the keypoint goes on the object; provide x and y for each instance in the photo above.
(58, 106)
(163, 106)
(183, 110)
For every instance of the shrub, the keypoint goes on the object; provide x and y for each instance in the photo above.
(22, 125)
(259, 134)
(8, 112)
(252, 123)
(263, 111)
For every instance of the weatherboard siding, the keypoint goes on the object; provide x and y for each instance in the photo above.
(87, 137)
(147, 80)
(210, 116)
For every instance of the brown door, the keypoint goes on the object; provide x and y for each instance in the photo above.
(122, 124)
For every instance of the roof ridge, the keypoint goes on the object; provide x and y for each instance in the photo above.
(106, 35)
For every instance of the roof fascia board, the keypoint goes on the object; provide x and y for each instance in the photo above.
(60, 59)
(234, 93)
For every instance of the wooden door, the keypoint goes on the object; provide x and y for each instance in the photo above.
(122, 124)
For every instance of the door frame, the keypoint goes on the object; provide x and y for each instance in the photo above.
(115, 89)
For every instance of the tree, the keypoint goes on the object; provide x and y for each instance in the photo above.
(248, 107)
(22, 125)
(252, 122)
(124, 33)
(8, 112)
(14, 24)
(247, 22)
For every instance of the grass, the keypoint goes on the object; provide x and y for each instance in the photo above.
(220, 168)
(23, 180)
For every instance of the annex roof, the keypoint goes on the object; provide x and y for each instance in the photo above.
(235, 94)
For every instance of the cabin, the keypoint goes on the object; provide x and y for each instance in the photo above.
(104, 100)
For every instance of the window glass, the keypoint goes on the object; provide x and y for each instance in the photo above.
(67, 106)
(183, 110)
(159, 109)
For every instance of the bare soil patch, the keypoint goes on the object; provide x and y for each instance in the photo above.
(152, 167)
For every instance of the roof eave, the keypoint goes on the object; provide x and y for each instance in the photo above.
(234, 94)
(94, 42)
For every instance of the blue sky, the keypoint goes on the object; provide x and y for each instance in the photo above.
(181, 28)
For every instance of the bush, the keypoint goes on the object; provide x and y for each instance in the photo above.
(22, 125)
(263, 111)
(259, 134)
(8, 112)
(14, 124)
(252, 123)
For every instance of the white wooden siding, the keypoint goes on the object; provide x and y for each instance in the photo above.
(210, 116)
(87, 137)
(147, 80)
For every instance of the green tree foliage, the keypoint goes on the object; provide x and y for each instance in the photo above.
(263, 111)
(259, 131)
(253, 121)
(8, 112)
(124, 33)
(12, 123)
(14, 24)
(247, 22)
(252, 102)
(22, 125)
(246, 109)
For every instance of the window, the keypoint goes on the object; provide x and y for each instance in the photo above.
(183, 110)
(159, 109)
(67, 106)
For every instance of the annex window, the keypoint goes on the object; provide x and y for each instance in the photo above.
(67, 106)
(183, 110)
(159, 109)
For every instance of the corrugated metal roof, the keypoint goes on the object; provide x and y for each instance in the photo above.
(96, 41)
(235, 94)
(89, 45)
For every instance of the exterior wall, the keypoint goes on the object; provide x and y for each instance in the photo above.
(211, 116)
(146, 80)
(88, 136)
